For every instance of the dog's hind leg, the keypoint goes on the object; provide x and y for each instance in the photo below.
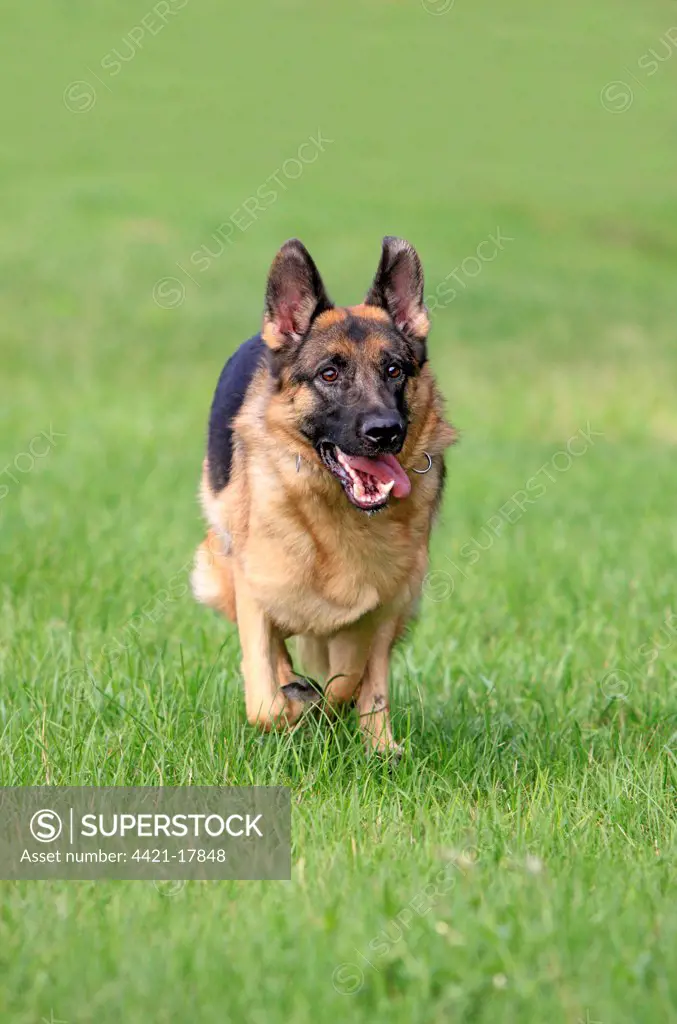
(212, 576)
(348, 654)
(313, 654)
(297, 689)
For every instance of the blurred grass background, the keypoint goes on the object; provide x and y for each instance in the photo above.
(541, 121)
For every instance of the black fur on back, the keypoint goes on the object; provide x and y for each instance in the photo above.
(231, 389)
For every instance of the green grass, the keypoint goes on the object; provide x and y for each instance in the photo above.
(520, 863)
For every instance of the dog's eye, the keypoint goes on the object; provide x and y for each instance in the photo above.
(329, 374)
(394, 371)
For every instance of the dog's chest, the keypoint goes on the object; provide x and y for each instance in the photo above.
(316, 570)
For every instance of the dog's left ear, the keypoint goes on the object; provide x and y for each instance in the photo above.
(398, 288)
(294, 297)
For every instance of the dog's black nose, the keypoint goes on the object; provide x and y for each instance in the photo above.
(384, 431)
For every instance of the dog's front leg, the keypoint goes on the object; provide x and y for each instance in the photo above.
(262, 653)
(372, 700)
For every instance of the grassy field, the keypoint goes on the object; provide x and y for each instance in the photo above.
(520, 864)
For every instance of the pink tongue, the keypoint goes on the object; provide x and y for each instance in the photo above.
(385, 468)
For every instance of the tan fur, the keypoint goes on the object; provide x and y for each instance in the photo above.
(370, 312)
(331, 316)
(288, 555)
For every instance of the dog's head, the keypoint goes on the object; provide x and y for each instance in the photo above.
(347, 374)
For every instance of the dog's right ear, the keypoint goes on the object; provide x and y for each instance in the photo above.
(294, 297)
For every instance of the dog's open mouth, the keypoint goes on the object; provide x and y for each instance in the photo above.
(368, 483)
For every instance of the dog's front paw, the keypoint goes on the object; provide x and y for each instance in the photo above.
(281, 714)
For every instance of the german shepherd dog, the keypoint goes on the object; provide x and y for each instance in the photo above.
(323, 473)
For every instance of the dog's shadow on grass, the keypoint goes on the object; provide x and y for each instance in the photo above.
(330, 742)
(474, 746)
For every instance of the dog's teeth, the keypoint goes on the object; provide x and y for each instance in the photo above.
(377, 490)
